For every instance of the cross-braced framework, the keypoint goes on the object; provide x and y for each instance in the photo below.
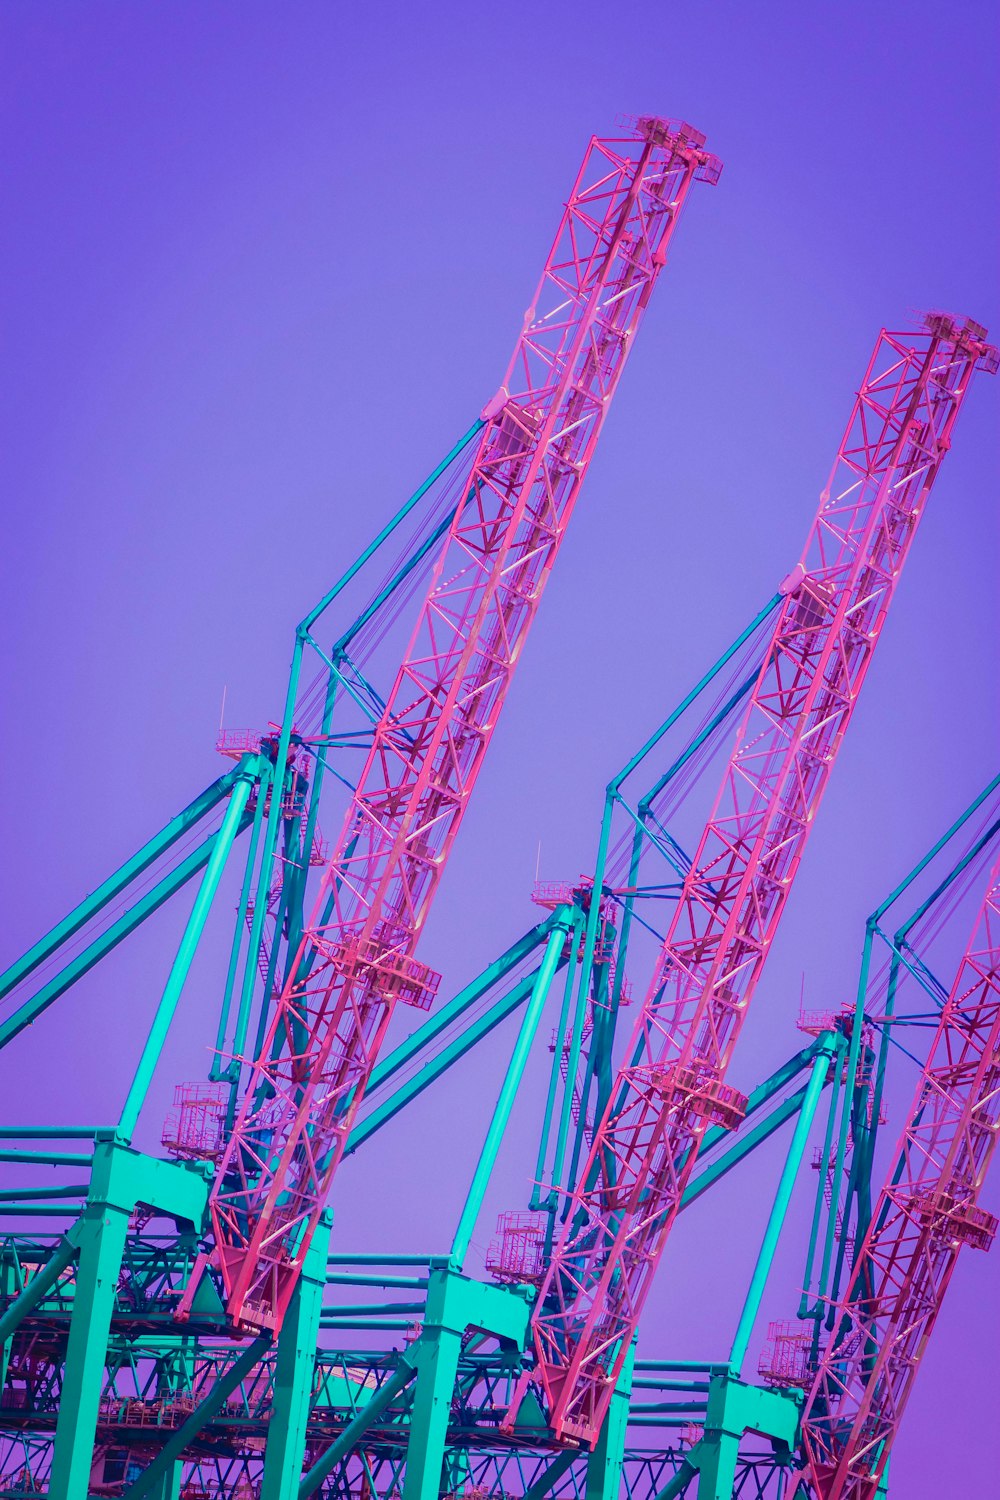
(403, 1378)
(355, 957)
(672, 1086)
(926, 1212)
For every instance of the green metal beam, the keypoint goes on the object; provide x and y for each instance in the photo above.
(539, 1191)
(555, 1470)
(699, 687)
(387, 530)
(41, 1283)
(58, 1190)
(116, 883)
(468, 996)
(202, 1414)
(181, 967)
(48, 1158)
(747, 1140)
(359, 1425)
(219, 1072)
(103, 1229)
(680, 1481)
(103, 944)
(604, 1464)
(425, 1035)
(613, 798)
(934, 850)
(766, 1090)
(433, 1070)
(742, 1147)
(342, 1259)
(294, 1370)
(828, 1050)
(561, 928)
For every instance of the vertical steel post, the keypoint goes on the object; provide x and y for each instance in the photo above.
(786, 1183)
(169, 1485)
(604, 1464)
(563, 925)
(718, 1458)
(101, 1235)
(185, 953)
(295, 1364)
(437, 1368)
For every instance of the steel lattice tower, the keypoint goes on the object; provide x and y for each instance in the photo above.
(672, 1086)
(355, 958)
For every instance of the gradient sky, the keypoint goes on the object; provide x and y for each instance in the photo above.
(260, 266)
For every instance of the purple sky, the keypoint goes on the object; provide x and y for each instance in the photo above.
(260, 267)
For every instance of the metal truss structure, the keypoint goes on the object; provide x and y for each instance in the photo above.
(355, 956)
(670, 1087)
(181, 1325)
(925, 1214)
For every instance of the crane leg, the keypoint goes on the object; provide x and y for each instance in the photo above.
(295, 1366)
(169, 1486)
(438, 1367)
(604, 1466)
(103, 1229)
(717, 1466)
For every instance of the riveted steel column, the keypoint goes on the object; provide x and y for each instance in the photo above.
(437, 1368)
(604, 1465)
(101, 1238)
(189, 942)
(295, 1366)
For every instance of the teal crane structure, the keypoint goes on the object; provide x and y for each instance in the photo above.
(407, 1376)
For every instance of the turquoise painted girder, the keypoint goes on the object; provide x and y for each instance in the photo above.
(765, 1093)
(856, 1118)
(424, 1037)
(150, 902)
(503, 1007)
(115, 884)
(599, 1062)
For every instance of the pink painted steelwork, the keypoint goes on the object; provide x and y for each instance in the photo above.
(539, 436)
(924, 1215)
(672, 1088)
(195, 1128)
(517, 1254)
(784, 1359)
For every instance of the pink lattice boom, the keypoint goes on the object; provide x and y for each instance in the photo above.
(924, 1215)
(835, 605)
(539, 435)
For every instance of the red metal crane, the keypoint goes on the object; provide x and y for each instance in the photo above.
(671, 1087)
(539, 435)
(926, 1212)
